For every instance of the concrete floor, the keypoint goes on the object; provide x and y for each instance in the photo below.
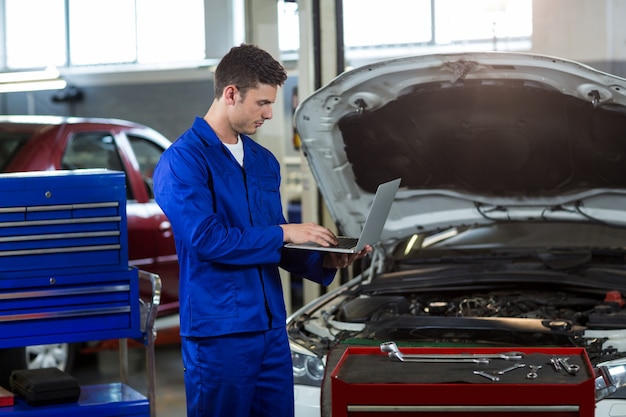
(103, 367)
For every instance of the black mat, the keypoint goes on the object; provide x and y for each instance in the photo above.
(379, 369)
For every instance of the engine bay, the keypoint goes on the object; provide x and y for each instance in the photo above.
(481, 318)
(593, 311)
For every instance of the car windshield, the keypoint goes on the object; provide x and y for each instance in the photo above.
(10, 143)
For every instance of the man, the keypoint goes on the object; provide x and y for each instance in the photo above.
(220, 191)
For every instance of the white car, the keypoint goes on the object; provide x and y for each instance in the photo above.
(509, 227)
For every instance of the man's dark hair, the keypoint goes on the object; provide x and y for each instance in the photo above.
(247, 66)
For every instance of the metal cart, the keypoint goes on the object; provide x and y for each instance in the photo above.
(64, 278)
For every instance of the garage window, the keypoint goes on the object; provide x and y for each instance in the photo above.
(23, 48)
(373, 30)
(101, 32)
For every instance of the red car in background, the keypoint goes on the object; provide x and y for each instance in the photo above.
(44, 143)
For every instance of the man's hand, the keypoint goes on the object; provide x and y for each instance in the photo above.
(308, 232)
(344, 260)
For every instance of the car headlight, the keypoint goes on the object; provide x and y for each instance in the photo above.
(611, 375)
(308, 368)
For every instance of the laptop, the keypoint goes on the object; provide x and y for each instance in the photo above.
(374, 224)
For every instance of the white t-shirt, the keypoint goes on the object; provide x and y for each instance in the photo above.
(236, 150)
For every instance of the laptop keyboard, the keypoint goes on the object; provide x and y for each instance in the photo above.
(346, 242)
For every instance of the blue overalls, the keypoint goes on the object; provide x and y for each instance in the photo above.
(232, 314)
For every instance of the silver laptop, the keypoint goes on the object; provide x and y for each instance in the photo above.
(374, 224)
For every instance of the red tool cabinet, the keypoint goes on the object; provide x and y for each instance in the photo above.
(366, 382)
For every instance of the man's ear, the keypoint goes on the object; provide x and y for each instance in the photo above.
(230, 94)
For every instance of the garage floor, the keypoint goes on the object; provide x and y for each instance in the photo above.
(103, 367)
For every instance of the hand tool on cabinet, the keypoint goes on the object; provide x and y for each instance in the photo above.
(392, 350)
(486, 375)
(571, 369)
(533, 371)
(401, 358)
(556, 363)
(510, 368)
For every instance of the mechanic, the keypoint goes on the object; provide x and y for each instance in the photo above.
(220, 191)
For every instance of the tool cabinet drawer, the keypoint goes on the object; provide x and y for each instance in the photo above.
(70, 308)
(62, 222)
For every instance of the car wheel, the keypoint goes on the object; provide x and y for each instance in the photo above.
(59, 355)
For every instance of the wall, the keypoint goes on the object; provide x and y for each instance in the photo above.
(590, 31)
(167, 107)
(573, 29)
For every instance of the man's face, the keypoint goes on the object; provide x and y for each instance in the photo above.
(251, 111)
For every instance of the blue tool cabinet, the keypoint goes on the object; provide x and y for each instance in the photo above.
(64, 277)
(64, 221)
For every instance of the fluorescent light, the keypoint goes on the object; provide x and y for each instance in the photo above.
(48, 79)
(14, 87)
(50, 73)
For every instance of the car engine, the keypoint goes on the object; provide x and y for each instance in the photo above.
(578, 309)
(488, 318)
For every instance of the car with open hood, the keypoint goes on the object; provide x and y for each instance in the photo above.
(509, 226)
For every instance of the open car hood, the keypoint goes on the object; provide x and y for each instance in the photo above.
(477, 138)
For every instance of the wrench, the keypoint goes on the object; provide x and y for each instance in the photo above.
(533, 371)
(486, 375)
(570, 369)
(510, 368)
(556, 363)
(441, 359)
(392, 348)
